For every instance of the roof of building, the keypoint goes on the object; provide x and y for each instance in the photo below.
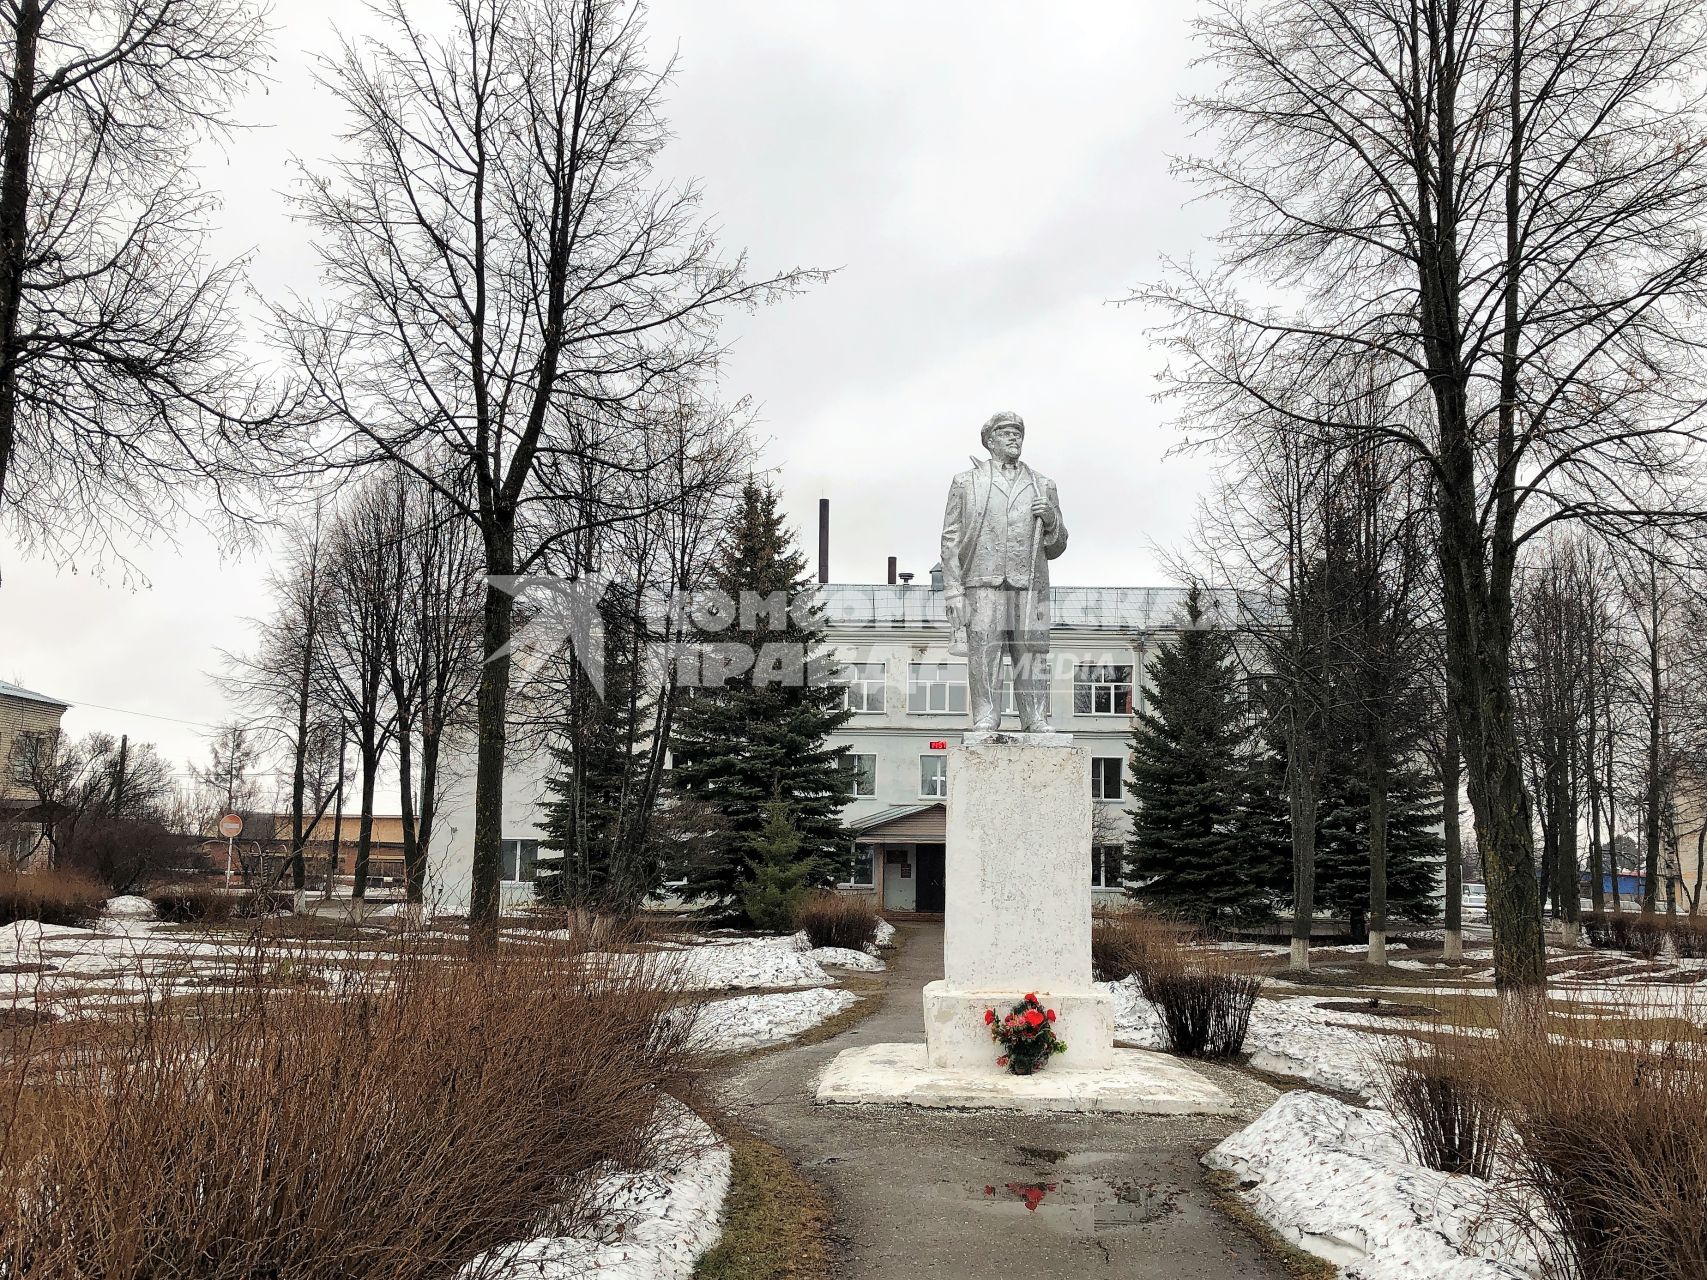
(24, 695)
(923, 820)
(919, 606)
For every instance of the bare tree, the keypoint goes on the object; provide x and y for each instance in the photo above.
(509, 287)
(120, 374)
(1503, 200)
(361, 607)
(282, 684)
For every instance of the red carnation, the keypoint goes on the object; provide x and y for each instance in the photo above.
(1051, 1015)
(989, 1016)
(1002, 1061)
(1031, 995)
(1033, 1018)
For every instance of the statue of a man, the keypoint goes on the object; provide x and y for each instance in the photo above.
(1002, 528)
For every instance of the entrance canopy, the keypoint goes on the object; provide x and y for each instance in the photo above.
(926, 822)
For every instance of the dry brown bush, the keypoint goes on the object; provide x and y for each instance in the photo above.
(1205, 1000)
(1122, 938)
(50, 895)
(423, 1111)
(1601, 1132)
(1443, 1093)
(834, 919)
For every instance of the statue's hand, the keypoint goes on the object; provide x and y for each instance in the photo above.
(1040, 509)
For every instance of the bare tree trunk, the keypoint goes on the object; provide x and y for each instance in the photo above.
(1452, 773)
(14, 217)
(1301, 785)
(492, 714)
(1651, 803)
(337, 854)
(1378, 860)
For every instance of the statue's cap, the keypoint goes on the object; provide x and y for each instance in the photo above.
(1006, 418)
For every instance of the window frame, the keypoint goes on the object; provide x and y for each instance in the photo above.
(848, 757)
(1099, 866)
(1119, 779)
(1112, 687)
(942, 775)
(864, 683)
(510, 858)
(947, 685)
(852, 880)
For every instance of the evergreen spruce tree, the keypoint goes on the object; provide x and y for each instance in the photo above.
(597, 818)
(780, 873)
(1415, 851)
(761, 735)
(1188, 850)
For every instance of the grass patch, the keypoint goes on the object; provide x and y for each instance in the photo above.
(1293, 1260)
(776, 1222)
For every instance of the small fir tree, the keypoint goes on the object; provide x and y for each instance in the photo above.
(1188, 851)
(760, 734)
(773, 896)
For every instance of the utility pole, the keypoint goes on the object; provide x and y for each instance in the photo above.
(118, 777)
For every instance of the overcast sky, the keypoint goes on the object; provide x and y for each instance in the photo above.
(986, 179)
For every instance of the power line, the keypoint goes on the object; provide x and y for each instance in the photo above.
(146, 715)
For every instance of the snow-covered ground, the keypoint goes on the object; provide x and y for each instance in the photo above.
(844, 958)
(662, 1220)
(1338, 1181)
(1288, 1037)
(751, 1022)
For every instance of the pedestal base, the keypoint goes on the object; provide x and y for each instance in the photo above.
(957, 1038)
(1136, 1082)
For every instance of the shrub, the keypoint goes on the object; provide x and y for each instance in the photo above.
(1442, 1096)
(1121, 939)
(1690, 939)
(432, 1110)
(1205, 1006)
(1597, 931)
(51, 896)
(1647, 937)
(194, 904)
(1608, 1138)
(838, 919)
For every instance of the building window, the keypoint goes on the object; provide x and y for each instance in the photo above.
(517, 860)
(863, 769)
(862, 686)
(934, 687)
(933, 776)
(859, 874)
(1102, 691)
(1105, 866)
(1105, 777)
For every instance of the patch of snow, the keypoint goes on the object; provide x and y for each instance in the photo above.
(846, 958)
(1288, 1037)
(885, 934)
(130, 906)
(1338, 1181)
(750, 1022)
(661, 1220)
(760, 962)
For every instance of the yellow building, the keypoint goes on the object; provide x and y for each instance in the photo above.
(24, 716)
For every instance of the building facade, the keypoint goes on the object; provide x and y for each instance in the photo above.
(24, 717)
(907, 697)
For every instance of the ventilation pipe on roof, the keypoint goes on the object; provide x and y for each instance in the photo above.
(906, 579)
(823, 539)
(936, 576)
(891, 570)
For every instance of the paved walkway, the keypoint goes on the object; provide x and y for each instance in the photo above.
(947, 1195)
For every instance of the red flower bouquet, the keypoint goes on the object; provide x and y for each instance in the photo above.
(1027, 1032)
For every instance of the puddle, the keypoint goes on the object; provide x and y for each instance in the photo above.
(1079, 1204)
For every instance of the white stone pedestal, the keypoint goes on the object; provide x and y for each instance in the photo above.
(1018, 903)
(1018, 920)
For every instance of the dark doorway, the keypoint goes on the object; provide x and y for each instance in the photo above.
(928, 864)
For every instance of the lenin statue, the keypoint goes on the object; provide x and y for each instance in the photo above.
(1002, 528)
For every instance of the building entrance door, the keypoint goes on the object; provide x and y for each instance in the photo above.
(928, 858)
